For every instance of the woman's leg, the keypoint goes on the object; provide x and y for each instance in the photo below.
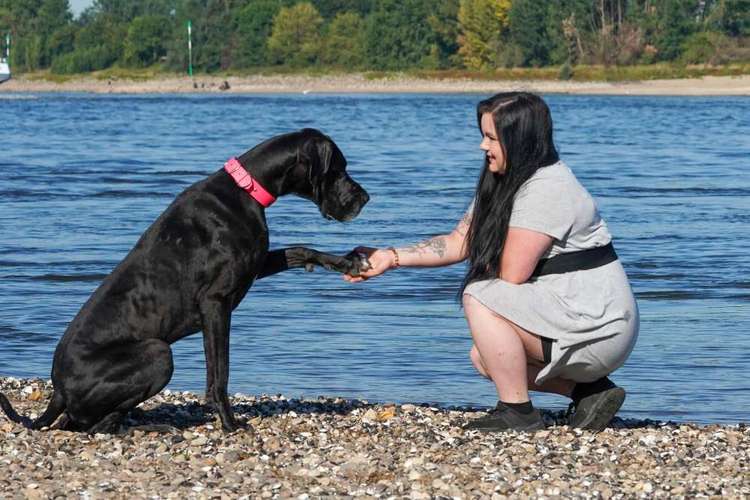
(512, 358)
(557, 385)
(508, 355)
(502, 351)
(561, 386)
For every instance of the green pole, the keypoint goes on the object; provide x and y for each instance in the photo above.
(190, 48)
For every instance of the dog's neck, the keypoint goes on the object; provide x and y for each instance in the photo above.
(270, 166)
(251, 185)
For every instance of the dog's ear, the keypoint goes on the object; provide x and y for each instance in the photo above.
(325, 154)
(317, 154)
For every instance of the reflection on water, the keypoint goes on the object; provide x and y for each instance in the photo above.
(82, 176)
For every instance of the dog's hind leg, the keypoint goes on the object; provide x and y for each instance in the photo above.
(126, 375)
(108, 425)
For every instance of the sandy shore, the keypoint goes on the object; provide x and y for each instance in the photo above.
(739, 85)
(329, 447)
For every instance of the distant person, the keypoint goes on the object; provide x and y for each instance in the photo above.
(548, 304)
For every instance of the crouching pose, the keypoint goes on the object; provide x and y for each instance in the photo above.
(547, 301)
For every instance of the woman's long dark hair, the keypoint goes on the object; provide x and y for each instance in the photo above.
(524, 129)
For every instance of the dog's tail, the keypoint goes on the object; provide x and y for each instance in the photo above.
(54, 409)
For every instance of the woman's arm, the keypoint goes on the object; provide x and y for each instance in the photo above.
(442, 250)
(521, 253)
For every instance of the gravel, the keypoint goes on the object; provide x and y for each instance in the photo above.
(333, 447)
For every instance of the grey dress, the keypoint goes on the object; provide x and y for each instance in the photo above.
(592, 315)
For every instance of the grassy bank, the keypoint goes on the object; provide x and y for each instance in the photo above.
(597, 73)
(579, 73)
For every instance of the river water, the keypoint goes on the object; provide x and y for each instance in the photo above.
(82, 176)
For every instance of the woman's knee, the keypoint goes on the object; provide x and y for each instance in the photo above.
(476, 360)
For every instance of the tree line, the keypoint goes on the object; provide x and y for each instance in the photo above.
(372, 34)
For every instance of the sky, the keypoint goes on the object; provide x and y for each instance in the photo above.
(77, 6)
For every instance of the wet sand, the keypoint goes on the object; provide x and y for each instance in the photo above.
(707, 86)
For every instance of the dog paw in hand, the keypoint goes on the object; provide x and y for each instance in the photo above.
(359, 263)
(353, 263)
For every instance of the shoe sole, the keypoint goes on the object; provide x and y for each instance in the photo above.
(602, 411)
(537, 426)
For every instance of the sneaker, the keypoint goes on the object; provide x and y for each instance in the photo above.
(502, 418)
(595, 410)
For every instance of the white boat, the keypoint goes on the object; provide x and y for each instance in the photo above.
(4, 71)
(5, 62)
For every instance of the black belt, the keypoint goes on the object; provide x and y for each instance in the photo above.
(576, 261)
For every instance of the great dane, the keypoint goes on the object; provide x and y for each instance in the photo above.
(187, 273)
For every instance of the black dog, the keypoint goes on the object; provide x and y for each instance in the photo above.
(186, 274)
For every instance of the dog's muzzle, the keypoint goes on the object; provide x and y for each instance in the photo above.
(347, 205)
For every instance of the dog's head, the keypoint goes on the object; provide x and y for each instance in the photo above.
(326, 181)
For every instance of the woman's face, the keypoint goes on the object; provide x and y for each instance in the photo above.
(491, 145)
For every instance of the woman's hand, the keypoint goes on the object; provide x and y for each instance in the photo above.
(380, 261)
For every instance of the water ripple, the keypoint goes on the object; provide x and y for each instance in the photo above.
(676, 199)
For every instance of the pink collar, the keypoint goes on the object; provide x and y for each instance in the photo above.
(244, 180)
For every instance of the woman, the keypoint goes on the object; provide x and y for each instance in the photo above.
(548, 304)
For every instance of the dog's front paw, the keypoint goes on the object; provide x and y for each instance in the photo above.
(353, 263)
(359, 263)
(230, 423)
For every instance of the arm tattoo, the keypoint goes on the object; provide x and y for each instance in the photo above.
(463, 227)
(435, 245)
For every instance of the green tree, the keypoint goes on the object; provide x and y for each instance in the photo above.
(482, 24)
(214, 35)
(52, 22)
(144, 44)
(527, 22)
(399, 36)
(32, 25)
(104, 34)
(329, 9)
(254, 23)
(444, 23)
(676, 23)
(295, 36)
(344, 43)
(731, 17)
(61, 41)
(122, 11)
(705, 47)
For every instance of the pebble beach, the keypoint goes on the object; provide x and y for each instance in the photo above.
(173, 447)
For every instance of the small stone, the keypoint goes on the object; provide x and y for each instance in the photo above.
(199, 441)
(36, 395)
(370, 415)
(335, 447)
(386, 414)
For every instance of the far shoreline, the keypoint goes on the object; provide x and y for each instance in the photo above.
(358, 84)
